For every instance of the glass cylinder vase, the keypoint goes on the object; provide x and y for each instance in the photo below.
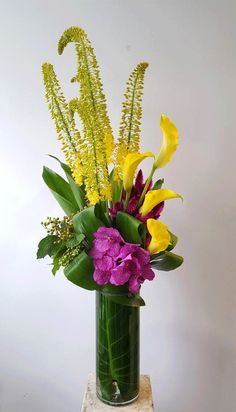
(117, 350)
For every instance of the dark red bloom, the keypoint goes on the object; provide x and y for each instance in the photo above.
(132, 207)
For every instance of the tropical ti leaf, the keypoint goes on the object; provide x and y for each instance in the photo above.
(132, 229)
(166, 261)
(61, 191)
(117, 349)
(77, 190)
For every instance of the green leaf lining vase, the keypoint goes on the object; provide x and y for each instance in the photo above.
(117, 350)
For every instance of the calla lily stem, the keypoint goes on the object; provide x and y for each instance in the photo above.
(127, 196)
(146, 186)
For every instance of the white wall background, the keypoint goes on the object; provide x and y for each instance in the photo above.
(188, 327)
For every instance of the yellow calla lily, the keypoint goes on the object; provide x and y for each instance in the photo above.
(160, 236)
(154, 197)
(170, 142)
(131, 163)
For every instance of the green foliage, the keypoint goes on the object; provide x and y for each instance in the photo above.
(166, 261)
(131, 229)
(80, 272)
(75, 240)
(61, 191)
(77, 190)
(100, 210)
(121, 295)
(116, 187)
(158, 184)
(54, 247)
(129, 132)
(47, 246)
(173, 241)
(117, 349)
(87, 223)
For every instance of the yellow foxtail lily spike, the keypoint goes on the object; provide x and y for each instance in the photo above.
(131, 163)
(169, 144)
(160, 236)
(154, 197)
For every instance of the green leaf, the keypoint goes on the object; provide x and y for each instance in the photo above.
(77, 191)
(166, 261)
(132, 229)
(61, 191)
(56, 265)
(87, 223)
(173, 241)
(121, 295)
(132, 300)
(117, 187)
(158, 184)
(47, 246)
(100, 213)
(75, 241)
(64, 166)
(118, 348)
(80, 272)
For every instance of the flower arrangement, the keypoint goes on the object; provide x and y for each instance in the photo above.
(111, 237)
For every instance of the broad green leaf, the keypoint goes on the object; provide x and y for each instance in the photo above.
(78, 192)
(121, 295)
(158, 184)
(166, 261)
(64, 166)
(56, 265)
(117, 348)
(132, 300)
(132, 229)
(47, 246)
(173, 241)
(75, 241)
(100, 212)
(87, 223)
(61, 191)
(80, 272)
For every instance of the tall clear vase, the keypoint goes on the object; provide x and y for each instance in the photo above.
(117, 351)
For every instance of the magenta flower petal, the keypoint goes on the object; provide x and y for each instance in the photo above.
(134, 284)
(118, 262)
(138, 185)
(117, 207)
(132, 205)
(104, 264)
(101, 277)
(148, 273)
(121, 274)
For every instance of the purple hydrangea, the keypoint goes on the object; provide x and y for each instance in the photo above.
(118, 262)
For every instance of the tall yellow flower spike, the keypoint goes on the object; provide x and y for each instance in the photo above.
(131, 163)
(160, 236)
(91, 106)
(154, 197)
(170, 142)
(130, 125)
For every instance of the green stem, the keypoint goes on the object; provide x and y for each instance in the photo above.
(127, 196)
(108, 339)
(146, 186)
